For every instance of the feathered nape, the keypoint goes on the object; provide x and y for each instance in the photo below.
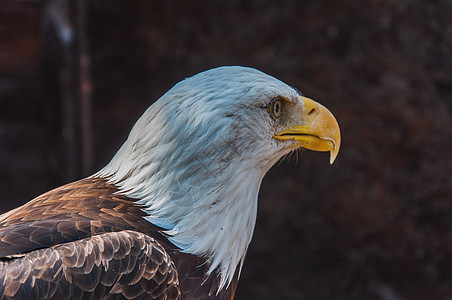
(195, 160)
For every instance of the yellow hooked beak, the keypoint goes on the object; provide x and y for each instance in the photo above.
(313, 127)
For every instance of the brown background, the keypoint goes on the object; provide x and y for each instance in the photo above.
(375, 225)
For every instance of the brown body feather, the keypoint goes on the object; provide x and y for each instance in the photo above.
(89, 241)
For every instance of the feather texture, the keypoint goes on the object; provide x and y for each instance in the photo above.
(115, 265)
(85, 240)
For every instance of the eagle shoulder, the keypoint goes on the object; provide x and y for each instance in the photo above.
(72, 212)
(65, 220)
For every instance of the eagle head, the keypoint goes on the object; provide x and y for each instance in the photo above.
(196, 158)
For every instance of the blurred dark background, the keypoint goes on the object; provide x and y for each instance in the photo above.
(75, 76)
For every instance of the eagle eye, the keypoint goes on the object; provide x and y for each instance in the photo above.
(276, 108)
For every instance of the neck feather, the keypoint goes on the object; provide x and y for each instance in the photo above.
(196, 186)
(213, 217)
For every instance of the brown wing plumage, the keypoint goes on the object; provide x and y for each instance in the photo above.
(116, 265)
(69, 213)
(74, 213)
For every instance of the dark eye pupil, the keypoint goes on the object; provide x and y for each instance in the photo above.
(277, 109)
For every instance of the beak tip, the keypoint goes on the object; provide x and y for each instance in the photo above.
(333, 154)
(332, 159)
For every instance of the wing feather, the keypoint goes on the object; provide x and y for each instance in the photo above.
(54, 233)
(89, 268)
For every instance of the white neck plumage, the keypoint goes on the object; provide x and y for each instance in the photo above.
(196, 185)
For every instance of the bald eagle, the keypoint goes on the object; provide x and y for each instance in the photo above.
(172, 215)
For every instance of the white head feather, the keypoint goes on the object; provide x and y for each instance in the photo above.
(196, 159)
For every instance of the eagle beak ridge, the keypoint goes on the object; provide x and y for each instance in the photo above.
(315, 128)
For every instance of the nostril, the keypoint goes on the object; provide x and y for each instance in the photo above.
(312, 111)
